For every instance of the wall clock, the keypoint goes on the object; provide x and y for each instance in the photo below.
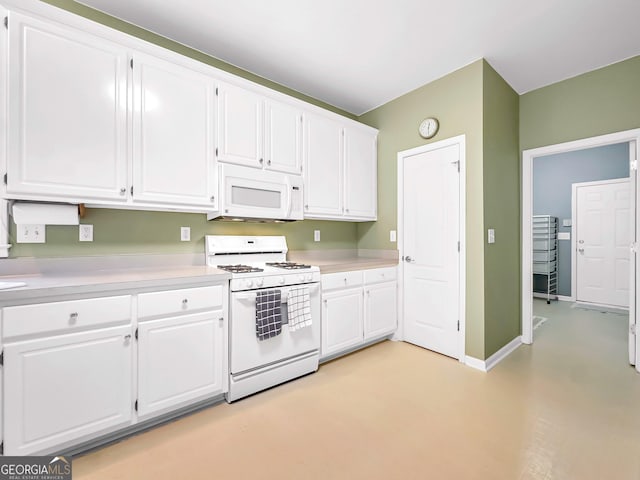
(428, 127)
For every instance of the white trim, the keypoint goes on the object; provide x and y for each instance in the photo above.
(462, 276)
(574, 225)
(496, 358)
(631, 136)
(564, 298)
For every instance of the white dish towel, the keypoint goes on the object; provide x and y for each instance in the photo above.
(299, 308)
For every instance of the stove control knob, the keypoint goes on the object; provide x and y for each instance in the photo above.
(281, 280)
(248, 283)
(259, 282)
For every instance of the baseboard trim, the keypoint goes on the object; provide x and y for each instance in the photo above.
(493, 360)
(564, 298)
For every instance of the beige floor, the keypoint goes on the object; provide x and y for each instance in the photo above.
(566, 408)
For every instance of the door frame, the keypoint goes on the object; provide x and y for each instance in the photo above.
(628, 136)
(574, 223)
(459, 140)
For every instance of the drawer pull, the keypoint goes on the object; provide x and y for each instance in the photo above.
(73, 317)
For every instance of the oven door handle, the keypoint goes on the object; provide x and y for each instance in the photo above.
(252, 298)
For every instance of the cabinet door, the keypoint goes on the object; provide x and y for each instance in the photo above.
(179, 359)
(342, 320)
(63, 388)
(323, 167)
(240, 126)
(360, 174)
(67, 113)
(173, 148)
(283, 139)
(381, 310)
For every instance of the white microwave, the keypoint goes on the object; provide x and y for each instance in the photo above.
(251, 194)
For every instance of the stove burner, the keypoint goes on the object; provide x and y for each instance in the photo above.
(240, 268)
(288, 265)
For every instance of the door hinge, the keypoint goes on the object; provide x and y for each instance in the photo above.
(5, 179)
(131, 190)
(216, 152)
(458, 245)
(216, 91)
(131, 63)
(6, 23)
(458, 325)
(135, 405)
(136, 334)
(633, 165)
(2, 359)
(632, 328)
(633, 247)
(2, 448)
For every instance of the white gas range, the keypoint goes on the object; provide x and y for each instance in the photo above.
(259, 268)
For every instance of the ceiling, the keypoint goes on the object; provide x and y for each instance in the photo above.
(359, 54)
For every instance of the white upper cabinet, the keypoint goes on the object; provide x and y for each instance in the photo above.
(340, 169)
(67, 115)
(173, 129)
(283, 138)
(360, 187)
(240, 126)
(323, 171)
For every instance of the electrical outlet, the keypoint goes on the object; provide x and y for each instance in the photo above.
(185, 234)
(30, 234)
(316, 235)
(392, 236)
(491, 236)
(85, 233)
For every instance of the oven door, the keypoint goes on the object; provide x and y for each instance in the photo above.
(247, 352)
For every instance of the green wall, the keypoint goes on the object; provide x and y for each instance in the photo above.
(501, 185)
(136, 232)
(595, 103)
(123, 231)
(456, 100)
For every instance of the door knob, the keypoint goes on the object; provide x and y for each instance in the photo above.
(581, 250)
(580, 241)
(408, 259)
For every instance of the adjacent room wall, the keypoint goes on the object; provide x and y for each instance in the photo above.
(553, 176)
(501, 202)
(456, 100)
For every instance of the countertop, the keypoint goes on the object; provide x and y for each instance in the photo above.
(108, 280)
(335, 261)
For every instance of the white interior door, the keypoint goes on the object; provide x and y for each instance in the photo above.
(430, 236)
(602, 242)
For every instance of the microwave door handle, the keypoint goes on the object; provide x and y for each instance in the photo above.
(289, 197)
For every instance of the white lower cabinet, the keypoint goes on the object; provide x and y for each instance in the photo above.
(180, 359)
(341, 320)
(357, 307)
(63, 388)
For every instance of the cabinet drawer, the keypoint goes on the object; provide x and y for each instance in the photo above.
(186, 300)
(65, 316)
(341, 280)
(377, 275)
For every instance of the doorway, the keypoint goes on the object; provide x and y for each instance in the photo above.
(632, 138)
(431, 205)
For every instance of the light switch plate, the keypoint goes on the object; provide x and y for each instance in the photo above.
(85, 233)
(31, 234)
(566, 222)
(316, 235)
(491, 236)
(564, 235)
(185, 234)
(392, 235)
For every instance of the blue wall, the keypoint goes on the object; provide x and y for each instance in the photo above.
(552, 179)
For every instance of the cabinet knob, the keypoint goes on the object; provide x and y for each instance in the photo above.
(184, 302)
(213, 198)
(306, 207)
(268, 162)
(347, 210)
(127, 337)
(221, 319)
(261, 161)
(123, 190)
(73, 317)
